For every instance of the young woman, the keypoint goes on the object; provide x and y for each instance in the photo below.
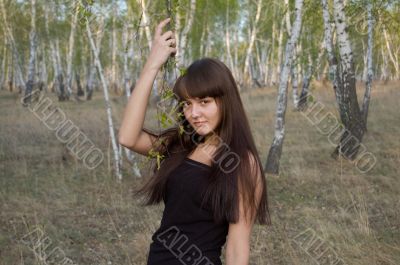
(210, 178)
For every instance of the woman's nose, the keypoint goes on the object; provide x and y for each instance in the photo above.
(195, 111)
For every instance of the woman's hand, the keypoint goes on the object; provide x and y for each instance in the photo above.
(162, 47)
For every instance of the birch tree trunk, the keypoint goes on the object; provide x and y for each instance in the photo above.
(295, 82)
(178, 32)
(71, 52)
(16, 57)
(246, 77)
(370, 73)
(333, 62)
(3, 65)
(287, 17)
(264, 67)
(261, 61)
(295, 66)
(365, 68)
(146, 22)
(269, 68)
(127, 78)
(44, 74)
(302, 101)
(114, 85)
(79, 90)
(349, 110)
(182, 57)
(51, 44)
(92, 67)
(129, 154)
(55, 67)
(228, 40)
(58, 81)
(203, 37)
(9, 74)
(19, 76)
(62, 95)
(236, 56)
(277, 70)
(302, 106)
(390, 53)
(275, 152)
(384, 71)
(114, 144)
(294, 69)
(146, 25)
(90, 79)
(32, 56)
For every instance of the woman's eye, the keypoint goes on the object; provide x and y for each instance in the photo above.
(204, 102)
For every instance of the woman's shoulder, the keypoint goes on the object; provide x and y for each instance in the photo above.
(254, 165)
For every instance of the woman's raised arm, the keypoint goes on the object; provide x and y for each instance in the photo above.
(130, 133)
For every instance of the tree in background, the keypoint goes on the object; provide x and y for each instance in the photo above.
(274, 155)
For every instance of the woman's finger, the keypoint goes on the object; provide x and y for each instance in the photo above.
(171, 42)
(160, 26)
(167, 35)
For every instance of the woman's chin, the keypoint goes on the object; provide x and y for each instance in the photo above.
(203, 132)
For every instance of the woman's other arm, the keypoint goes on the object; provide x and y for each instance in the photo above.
(130, 133)
(239, 234)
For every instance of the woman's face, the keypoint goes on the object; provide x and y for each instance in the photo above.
(203, 114)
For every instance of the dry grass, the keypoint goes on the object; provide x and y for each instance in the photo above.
(94, 219)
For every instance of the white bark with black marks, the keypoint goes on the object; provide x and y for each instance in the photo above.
(127, 77)
(62, 95)
(51, 44)
(182, 56)
(15, 54)
(32, 55)
(117, 162)
(146, 22)
(384, 66)
(311, 70)
(370, 73)
(349, 109)
(43, 73)
(333, 62)
(253, 33)
(3, 65)
(125, 59)
(295, 82)
(228, 40)
(92, 67)
(58, 78)
(295, 66)
(392, 56)
(70, 53)
(113, 80)
(277, 70)
(275, 152)
(269, 67)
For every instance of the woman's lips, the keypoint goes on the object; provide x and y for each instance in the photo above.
(199, 123)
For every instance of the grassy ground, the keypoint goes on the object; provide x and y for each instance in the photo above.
(322, 209)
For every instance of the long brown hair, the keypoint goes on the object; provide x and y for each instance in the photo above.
(209, 77)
